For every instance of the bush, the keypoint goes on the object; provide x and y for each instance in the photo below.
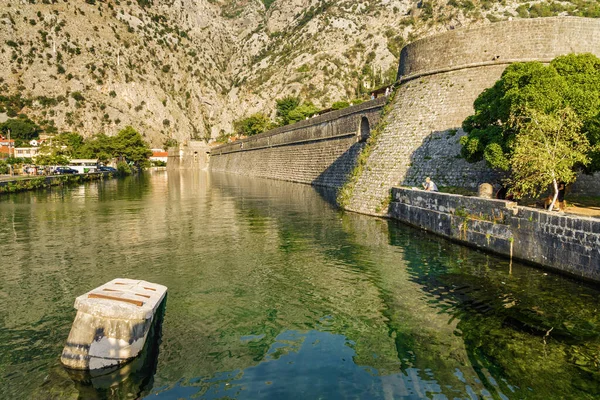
(253, 125)
(338, 105)
(77, 96)
(123, 168)
(284, 106)
(4, 168)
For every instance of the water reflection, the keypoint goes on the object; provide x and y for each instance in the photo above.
(274, 293)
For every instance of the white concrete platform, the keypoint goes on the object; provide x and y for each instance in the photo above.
(112, 323)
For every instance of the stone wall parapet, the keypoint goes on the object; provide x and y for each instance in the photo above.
(299, 132)
(505, 42)
(566, 243)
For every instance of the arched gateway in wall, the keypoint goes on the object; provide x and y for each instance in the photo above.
(440, 77)
(364, 130)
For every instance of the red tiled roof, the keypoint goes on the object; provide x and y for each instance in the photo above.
(160, 154)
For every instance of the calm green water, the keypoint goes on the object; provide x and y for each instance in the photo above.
(275, 294)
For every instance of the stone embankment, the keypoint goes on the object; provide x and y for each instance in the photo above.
(562, 242)
(20, 184)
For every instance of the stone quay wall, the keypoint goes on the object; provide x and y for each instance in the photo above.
(440, 77)
(319, 151)
(564, 243)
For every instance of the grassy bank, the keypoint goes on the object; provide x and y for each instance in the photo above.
(20, 184)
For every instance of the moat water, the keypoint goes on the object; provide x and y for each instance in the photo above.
(276, 294)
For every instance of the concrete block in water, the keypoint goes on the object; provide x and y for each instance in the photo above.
(112, 323)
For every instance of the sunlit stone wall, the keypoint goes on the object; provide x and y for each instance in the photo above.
(320, 151)
(440, 77)
(563, 242)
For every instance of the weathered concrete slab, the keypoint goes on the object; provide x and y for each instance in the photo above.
(112, 323)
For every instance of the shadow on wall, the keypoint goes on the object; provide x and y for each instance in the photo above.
(439, 158)
(337, 173)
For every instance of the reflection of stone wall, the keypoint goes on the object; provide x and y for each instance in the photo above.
(441, 76)
(320, 151)
(565, 243)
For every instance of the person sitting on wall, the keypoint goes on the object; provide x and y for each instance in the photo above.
(429, 185)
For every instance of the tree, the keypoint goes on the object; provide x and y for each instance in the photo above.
(252, 125)
(68, 144)
(284, 106)
(303, 111)
(129, 144)
(569, 82)
(51, 159)
(546, 150)
(99, 146)
(22, 129)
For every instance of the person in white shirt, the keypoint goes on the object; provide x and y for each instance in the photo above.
(429, 185)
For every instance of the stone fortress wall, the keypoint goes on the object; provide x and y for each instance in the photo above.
(565, 243)
(440, 77)
(319, 151)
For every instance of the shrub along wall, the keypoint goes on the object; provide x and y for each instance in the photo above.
(562, 242)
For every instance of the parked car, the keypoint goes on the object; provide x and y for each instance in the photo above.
(65, 171)
(103, 168)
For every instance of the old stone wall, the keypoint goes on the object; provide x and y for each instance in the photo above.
(190, 155)
(563, 242)
(440, 77)
(319, 151)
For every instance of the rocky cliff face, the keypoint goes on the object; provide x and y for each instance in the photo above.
(188, 68)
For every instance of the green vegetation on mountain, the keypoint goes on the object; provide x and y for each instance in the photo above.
(98, 66)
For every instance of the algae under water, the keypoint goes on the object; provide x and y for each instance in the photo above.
(274, 294)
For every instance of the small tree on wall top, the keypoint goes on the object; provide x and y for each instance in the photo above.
(546, 150)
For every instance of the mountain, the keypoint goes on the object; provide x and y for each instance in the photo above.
(188, 68)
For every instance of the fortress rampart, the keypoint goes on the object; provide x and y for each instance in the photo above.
(319, 151)
(501, 43)
(440, 78)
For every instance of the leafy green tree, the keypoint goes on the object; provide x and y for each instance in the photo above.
(67, 144)
(51, 159)
(569, 82)
(99, 146)
(22, 129)
(284, 106)
(129, 144)
(303, 111)
(572, 80)
(253, 125)
(546, 150)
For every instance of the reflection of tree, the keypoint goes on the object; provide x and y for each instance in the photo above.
(534, 331)
(247, 261)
